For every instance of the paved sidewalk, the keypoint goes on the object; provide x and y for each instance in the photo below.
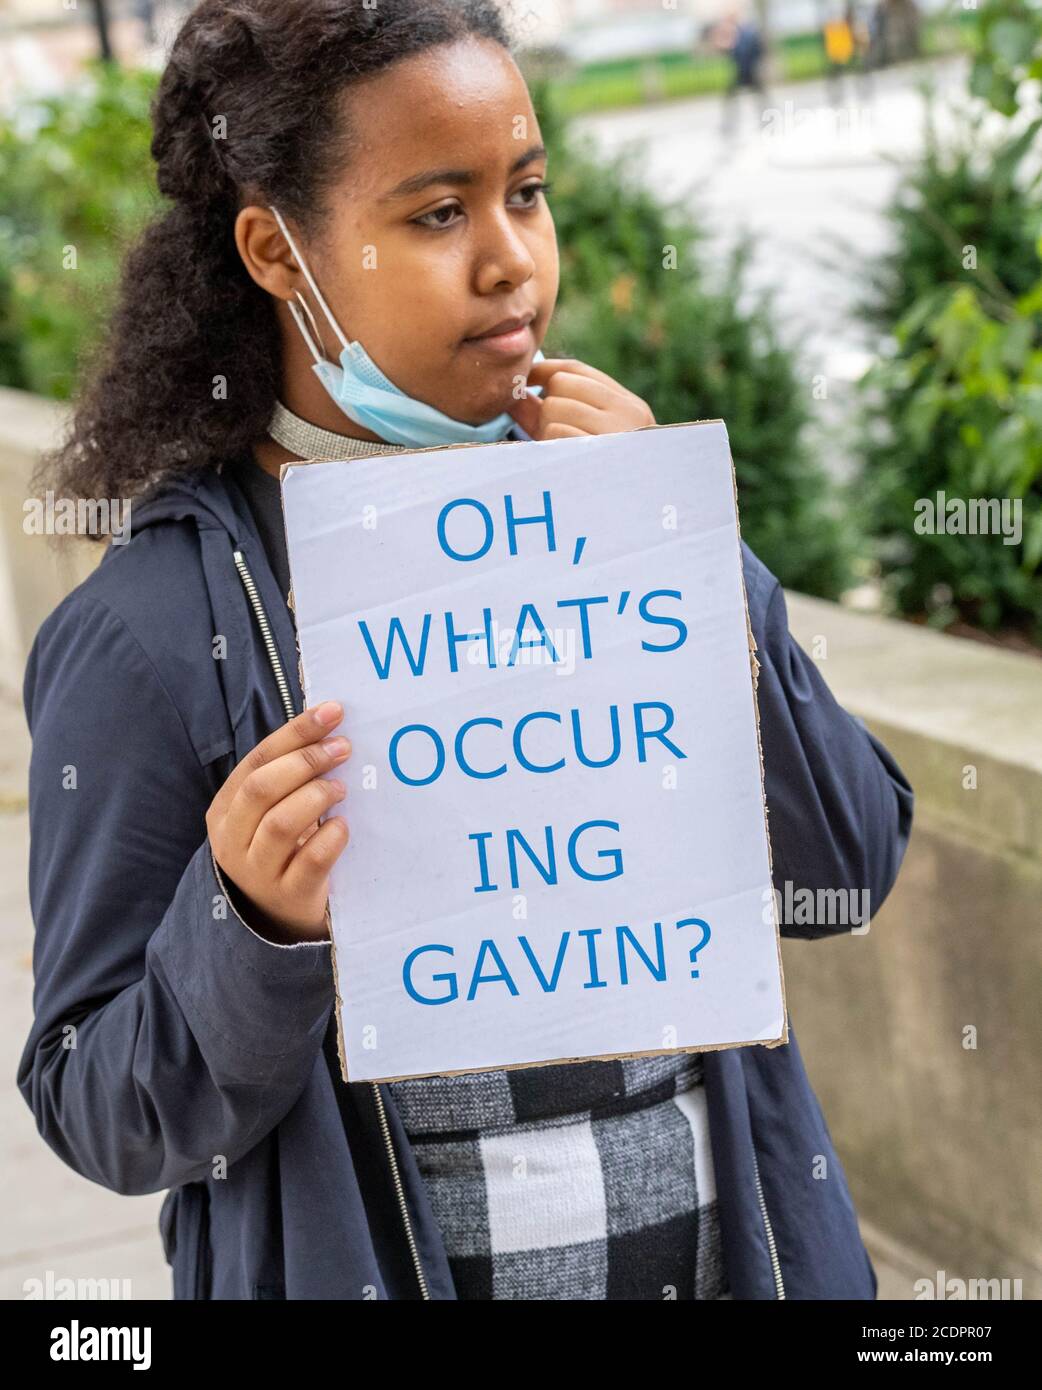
(808, 175)
(808, 172)
(52, 1219)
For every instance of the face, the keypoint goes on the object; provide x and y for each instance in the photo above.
(438, 232)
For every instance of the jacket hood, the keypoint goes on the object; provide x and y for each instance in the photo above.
(195, 569)
(204, 497)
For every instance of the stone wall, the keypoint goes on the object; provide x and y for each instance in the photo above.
(923, 1036)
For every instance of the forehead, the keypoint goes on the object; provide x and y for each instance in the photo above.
(464, 104)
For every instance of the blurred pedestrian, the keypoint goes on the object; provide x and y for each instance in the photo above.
(146, 12)
(838, 40)
(847, 44)
(741, 41)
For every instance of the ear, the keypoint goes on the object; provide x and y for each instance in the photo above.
(265, 252)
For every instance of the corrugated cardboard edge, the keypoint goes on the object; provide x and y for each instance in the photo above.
(754, 671)
(754, 668)
(338, 1006)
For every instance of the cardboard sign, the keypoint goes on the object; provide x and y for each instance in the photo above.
(558, 843)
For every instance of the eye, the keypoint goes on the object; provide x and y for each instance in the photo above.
(535, 188)
(435, 226)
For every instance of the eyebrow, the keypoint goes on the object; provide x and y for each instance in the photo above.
(416, 183)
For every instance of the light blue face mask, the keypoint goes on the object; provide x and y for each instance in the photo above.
(371, 399)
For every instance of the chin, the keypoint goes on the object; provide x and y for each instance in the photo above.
(483, 417)
(498, 393)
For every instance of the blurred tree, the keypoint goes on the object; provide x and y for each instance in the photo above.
(900, 30)
(101, 23)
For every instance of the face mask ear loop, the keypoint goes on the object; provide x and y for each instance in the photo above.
(309, 278)
(298, 319)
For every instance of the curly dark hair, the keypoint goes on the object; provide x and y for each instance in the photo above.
(266, 75)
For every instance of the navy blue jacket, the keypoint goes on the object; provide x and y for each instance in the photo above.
(175, 1048)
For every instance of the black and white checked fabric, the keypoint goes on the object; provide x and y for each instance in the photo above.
(589, 1180)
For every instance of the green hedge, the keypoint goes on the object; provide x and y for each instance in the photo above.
(76, 185)
(954, 406)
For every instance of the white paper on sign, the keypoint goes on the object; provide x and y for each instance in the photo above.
(558, 843)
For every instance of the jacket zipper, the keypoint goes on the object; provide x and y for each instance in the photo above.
(385, 1130)
(265, 631)
(287, 705)
(772, 1248)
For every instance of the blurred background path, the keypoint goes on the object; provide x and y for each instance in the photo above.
(808, 177)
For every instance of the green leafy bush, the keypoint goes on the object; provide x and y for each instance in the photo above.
(76, 185)
(1008, 50)
(955, 403)
(967, 189)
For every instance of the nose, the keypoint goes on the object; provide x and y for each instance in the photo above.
(503, 256)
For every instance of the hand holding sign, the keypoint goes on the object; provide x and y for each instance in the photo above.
(263, 825)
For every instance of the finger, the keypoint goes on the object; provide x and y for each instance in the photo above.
(590, 385)
(559, 431)
(561, 410)
(543, 371)
(582, 388)
(309, 868)
(269, 785)
(276, 840)
(301, 731)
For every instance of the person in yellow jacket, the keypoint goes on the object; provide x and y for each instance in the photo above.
(838, 35)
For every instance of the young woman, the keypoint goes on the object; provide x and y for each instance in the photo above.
(358, 256)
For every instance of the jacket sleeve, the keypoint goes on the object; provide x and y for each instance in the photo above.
(167, 1033)
(839, 807)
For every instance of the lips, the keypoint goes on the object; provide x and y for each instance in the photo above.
(504, 326)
